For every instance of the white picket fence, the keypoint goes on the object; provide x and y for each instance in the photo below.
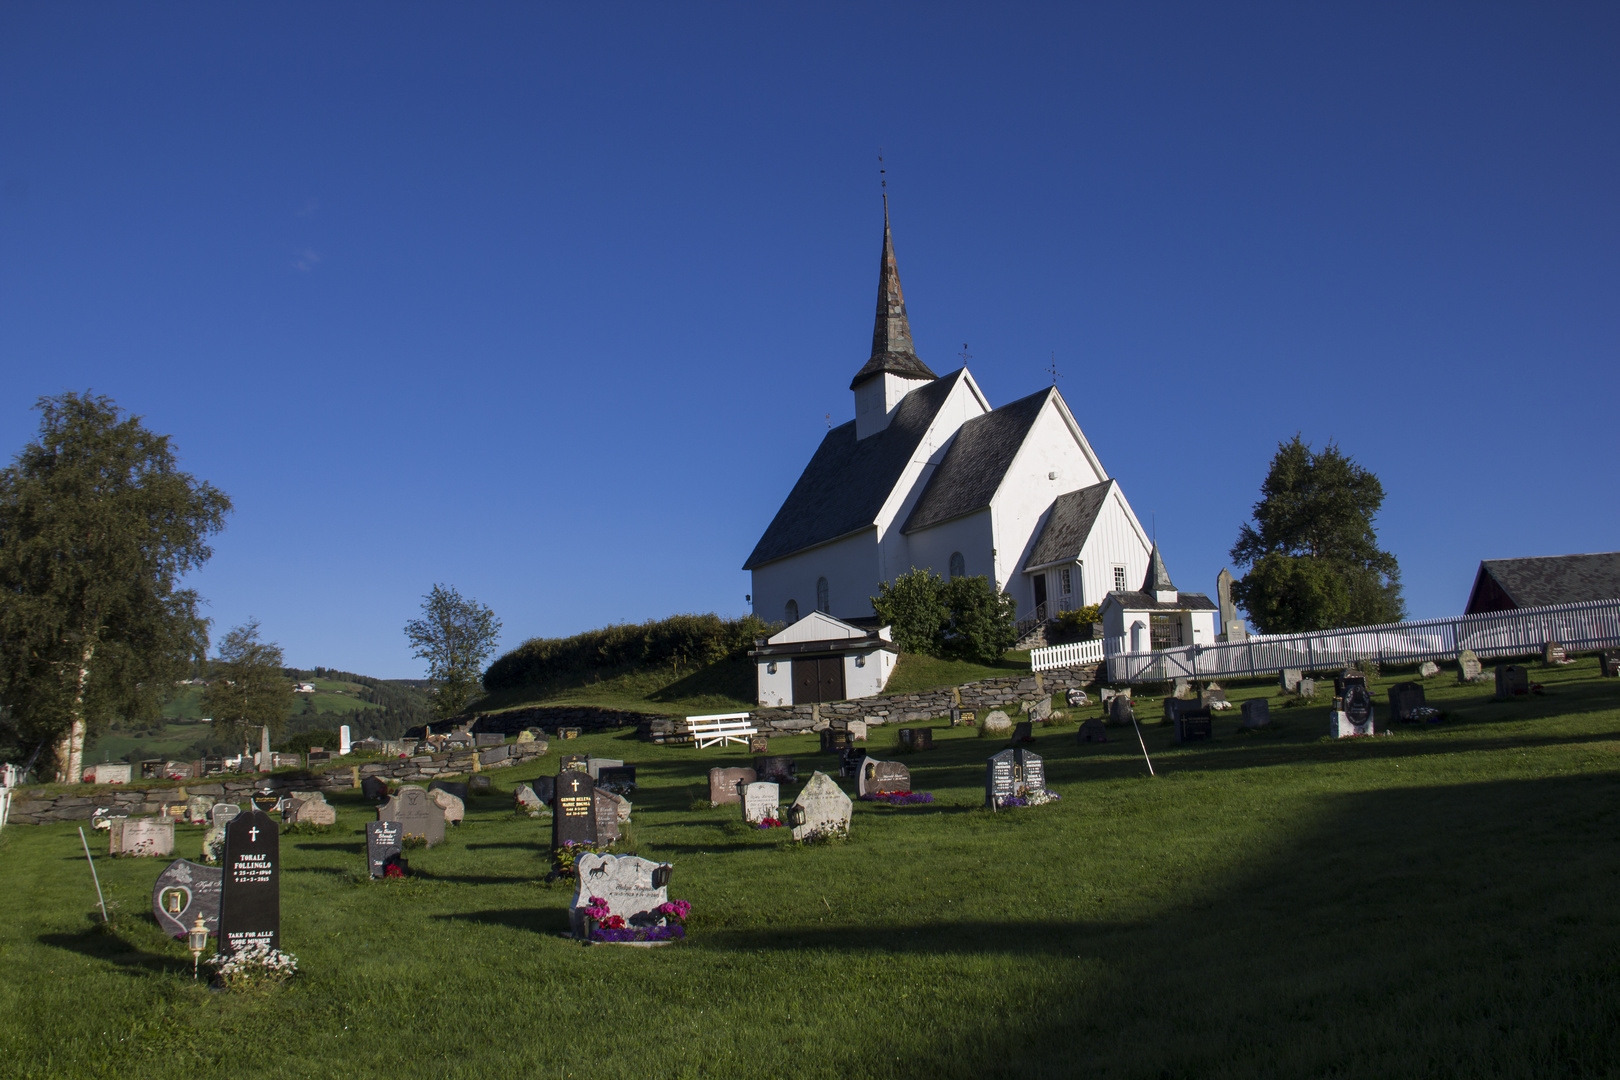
(1591, 625)
(5, 805)
(1071, 655)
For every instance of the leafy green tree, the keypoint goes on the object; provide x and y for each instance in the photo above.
(1312, 550)
(98, 526)
(983, 622)
(455, 636)
(248, 688)
(914, 605)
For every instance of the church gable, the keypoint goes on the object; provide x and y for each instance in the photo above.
(975, 463)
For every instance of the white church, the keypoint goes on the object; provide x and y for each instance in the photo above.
(930, 475)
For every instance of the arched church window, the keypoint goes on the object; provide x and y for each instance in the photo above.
(821, 596)
(958, 565)
(790, 613)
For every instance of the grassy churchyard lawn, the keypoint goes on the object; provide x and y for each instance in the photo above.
(1438, 901)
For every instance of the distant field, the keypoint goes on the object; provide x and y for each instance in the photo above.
(174, 739)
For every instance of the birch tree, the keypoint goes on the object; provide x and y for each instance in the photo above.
(455, 635)
(98, 528)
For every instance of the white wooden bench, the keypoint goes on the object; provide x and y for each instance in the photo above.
(720, 728)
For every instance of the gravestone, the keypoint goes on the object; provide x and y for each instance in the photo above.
(479, 785)
(778, 770)
(881, 777)
(997, 722)
(526, 736)
(1354, 716)
(1092, 731)
(1553, 653)
(112, 772)
(1428, 669)
(1403, 699)
(723, 784)
(345, 746)
(595, 765)
(374, 788)
(620, 778)
(1037, 710)
(1024, 732)
(222, 813)
(761, 800)
(917, 738)
(1256, 713)
(184, 891)
(198, 809)
(1210, 695)
(1469, 669)
(494, 754)
(453, 807)
(1609, 664)
(1288, 679)
(759, 744)
(857, 731)
(834, 739)
(575, 762)
(621, 803)
(456, 788)
(1307, 688)
(1194, 725)
(1183, 687)
(319, 757)
(489, 738)
(1511, 680)
(1119, 710)
(1172, 708)
(575, 816)
(632, 887)
(569, 732)
(250, 885)
(1032, 769)
(528, 801)
(544, 788)
(1345, 680)
(1076, 698)
(604, 804)
(141, 837)
(385, 845)
(417, 814)
(849, 761)
(313, 810)
(1000, 778)
(820, 807)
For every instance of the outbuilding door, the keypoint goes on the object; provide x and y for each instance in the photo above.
(819, 679)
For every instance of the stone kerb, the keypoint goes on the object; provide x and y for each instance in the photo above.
(1006, 693)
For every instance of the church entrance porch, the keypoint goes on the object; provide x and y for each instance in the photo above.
(818, 679)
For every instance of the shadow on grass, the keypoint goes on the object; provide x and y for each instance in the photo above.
(541, 845)
(356, 848)
(537, 920)
(105, 945)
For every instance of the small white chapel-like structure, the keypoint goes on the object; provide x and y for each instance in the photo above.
(929, 475)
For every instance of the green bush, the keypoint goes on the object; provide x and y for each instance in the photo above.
(914, 605)
(983, 621)
(682, 640)
(1080, 619)
(305, 741)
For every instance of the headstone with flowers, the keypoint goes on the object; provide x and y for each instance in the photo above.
(761, 802)
(385, 846)
(417, 814)
(624, 899)
(250, 885)
(574, 821)
(820, 810)
(184, 891)
(880, 777)
(141, 837)
(1016, 777)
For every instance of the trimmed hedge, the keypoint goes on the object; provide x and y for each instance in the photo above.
(695, 640)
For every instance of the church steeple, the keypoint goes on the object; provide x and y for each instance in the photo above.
(892, 351)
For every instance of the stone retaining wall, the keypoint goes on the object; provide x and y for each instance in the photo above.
(37, 808)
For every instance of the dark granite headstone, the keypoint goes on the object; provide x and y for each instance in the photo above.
(834, 739)
(1403, 699)
(849, 761)
(250, 886)
(1000, 778)
(374, 788)
(575, 816)
(545, 788)
(1511, 679)
(1173, 707)
(616, 774)
(184, 891)
(569, 732)
(1193, 725)
(1256, 713)
(1024, 732)
(759, 744)
(1358, 705)
(723, 784)
(576, 762)
(1346, 679)
(917, 738)
(606, 809)
(1119, 709)
(1093, 731)
(385, 843)
(1031, 769)
(1609, 664)
(776, 770)
(459, 790)
(883, 777)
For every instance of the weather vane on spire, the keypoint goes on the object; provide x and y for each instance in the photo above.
(1053, 370)
(964, 354)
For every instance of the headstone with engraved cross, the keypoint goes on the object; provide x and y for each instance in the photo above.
(575, 816)
(417, 814)
(250, 885)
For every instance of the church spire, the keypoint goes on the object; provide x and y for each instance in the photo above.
(1158, 583)
(892, 350)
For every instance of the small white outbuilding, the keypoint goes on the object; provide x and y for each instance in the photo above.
(1157, 616)
(820, 658)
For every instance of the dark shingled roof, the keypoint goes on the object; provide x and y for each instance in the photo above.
(975, 463)
(848, 479)
(1158, 578)
(892, 348)
(1067, 526)
(1141, 601)
(1556, 579)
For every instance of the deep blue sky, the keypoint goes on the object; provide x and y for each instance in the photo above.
(550, 302)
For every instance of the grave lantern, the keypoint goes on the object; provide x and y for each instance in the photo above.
(197, 937)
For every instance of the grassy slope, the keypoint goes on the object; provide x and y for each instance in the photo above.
(1439, 901)
(916, 671)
